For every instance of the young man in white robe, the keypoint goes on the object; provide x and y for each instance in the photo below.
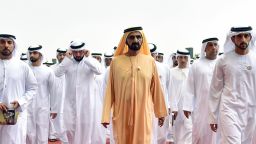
(232, 100)
(197, 88)
(182, 124)
(44, 104)
(56, 130)
(17, 88)
(99, 79)
(108, 56)
(79, 116)
(100, 131)
(160, 133)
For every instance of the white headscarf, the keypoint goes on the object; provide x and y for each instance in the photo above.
(205, 42)
(77, 45)
(152, 48)
(61, 50)
(184, 52)
(169, 61)
(108, 54)
(23, 56)
(37, 48)
(99, 55)
(230, 46)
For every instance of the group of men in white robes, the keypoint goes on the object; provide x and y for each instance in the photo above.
(211, 101)
(60, 102)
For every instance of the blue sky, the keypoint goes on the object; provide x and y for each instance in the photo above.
(170, 24)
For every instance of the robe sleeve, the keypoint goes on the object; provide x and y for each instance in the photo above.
(217, 85)
(53, 93)
(172, 98)
(61, 69)
(105, 81)
(157, 95)
(30, 89)
(109, 97)
(189, 95)
(168, 88)
(94, 65)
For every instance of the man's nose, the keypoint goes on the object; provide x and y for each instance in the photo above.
(5, 44)
(243, 38)
(135, 39)
(215, 47)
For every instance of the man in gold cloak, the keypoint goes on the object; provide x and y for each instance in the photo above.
(133, 91)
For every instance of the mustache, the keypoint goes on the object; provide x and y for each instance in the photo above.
(32, 59)
(243, 43)
(78, 59)
(6, 49)
(135, 43)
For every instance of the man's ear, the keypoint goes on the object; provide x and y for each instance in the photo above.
(233, 39)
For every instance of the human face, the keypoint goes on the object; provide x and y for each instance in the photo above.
(98, 58)
(242, 40)
(108, 61)
(154, 55)
(174, 61)
(160, 58)
(134, 40)
(182, 61)
(34, 56)
(78, 55)
(6, 47)
(60, 57)
(211, 50)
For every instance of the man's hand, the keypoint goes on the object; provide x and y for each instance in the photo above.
(53, 115)
(3, 107)
(15, 104)
(105, 124)
(187, 114)
(69, 53)
(169, 111)
(175, 114)
(161, 121)
(214, 127)
(86, 53)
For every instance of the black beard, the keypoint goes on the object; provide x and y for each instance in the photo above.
(33, 60)
(78, 59)
(134, 46)
(60, 60)
(6, 52)
(242, 46)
